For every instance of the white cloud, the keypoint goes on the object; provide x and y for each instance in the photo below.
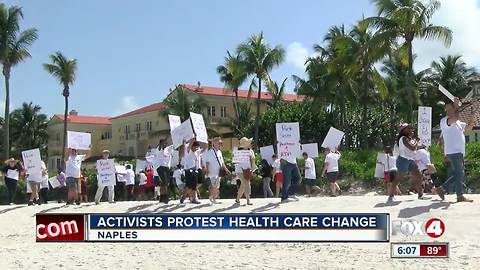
(297, 54)
(128, 104)
(463, 18)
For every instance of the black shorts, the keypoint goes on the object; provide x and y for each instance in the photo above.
(156, 180)
(191, 179)
(310, 182)
(332, 177)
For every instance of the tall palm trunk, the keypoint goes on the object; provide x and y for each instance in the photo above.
(237, 109)
(65, 115)
(257, 118)
(6, 126)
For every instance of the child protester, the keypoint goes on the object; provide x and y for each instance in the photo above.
(331, 170)
(310, 176)
(389, 163)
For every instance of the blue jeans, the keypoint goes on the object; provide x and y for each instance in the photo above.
(291, 175)
(457, 169)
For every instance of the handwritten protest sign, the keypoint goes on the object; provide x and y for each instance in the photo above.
(174, 121)
(267, 152)
(54, 182)
(241, 156)
(333, 139)
(33, 164)
(199, 127)
(182, 133)
(311, 149)
(425, 125)
(106, 172)
(140, 165)
(288, 132)
(79, 140)
(288, 149)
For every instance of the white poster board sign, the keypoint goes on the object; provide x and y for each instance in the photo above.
(79, 140)
(446, 92)
(106, 172)
(425, 125)
(267, 152)
(182, 133)
(54, 182)
(140, 165)
(199, 127)
(288, 132)
(241, 156)
(311, 149)
(33, 164)
(288, 149)
(333, 139)
(120, 169)
(174, 121)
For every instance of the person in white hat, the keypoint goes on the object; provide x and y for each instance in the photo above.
(11, 173)
(246, 171)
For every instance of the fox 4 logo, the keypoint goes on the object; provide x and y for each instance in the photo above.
(433, 227)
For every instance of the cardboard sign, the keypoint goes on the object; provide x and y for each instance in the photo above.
(54, 182)
(106, 172)
(33, 164)
(140, 165)
(241, 156)
(266, 153)
(120, 169)
(288, 132)
(446, 92)
(79, 140)
(425, 125)
(199, 127)
(182, 133)
(333, 139)
(311, 149)
(288, 150)
(174, 121)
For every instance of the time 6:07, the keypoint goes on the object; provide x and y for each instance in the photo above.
(406, 250)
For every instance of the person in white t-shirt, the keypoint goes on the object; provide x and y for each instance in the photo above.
(163, 155)
(214, 164)
(389, 163)
(178, 175)
(101, 186)
(246, 171)
(73, 168)
(331, 169)
(277, 175)
(453, 134)
(407, 147)
(310, 176)
(130, 182)
(33, 182)
(426, 168)
(44, 186)
(191, 162)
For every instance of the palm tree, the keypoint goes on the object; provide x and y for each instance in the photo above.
(259, 59)
(409, 19)
(276, 91)
(233, 74)
(64, 70)
(182, 104)
(29, 127)
(13, 50)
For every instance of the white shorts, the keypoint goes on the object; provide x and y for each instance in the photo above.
(215, 182)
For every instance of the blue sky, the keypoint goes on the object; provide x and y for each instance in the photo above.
(131, 52)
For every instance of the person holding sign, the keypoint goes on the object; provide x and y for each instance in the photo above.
(108, 184)
(331, 169)
(191, 163)
(407, 147)
(246, 171)
(73, 167)
(11, 172)
(453, 134)
(163, 155)
(291, 176)
(34, 181)
(215, 168)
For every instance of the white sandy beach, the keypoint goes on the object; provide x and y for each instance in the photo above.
(20, 251)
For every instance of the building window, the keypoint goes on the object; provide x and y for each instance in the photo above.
(467, 139)
(58, 163)
(127, 130)
(209, 111)
(223, 111)
(148, 125)
(212, 111)
(138, 126)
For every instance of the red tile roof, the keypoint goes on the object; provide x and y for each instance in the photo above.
(83, 119)
(150, 108)
(218, 91)
(470, 111)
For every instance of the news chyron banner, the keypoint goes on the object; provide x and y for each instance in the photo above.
(213, 227)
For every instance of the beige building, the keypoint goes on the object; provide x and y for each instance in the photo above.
(130, 134)
(99, 127)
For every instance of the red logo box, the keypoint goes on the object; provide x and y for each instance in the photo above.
(60, 227)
